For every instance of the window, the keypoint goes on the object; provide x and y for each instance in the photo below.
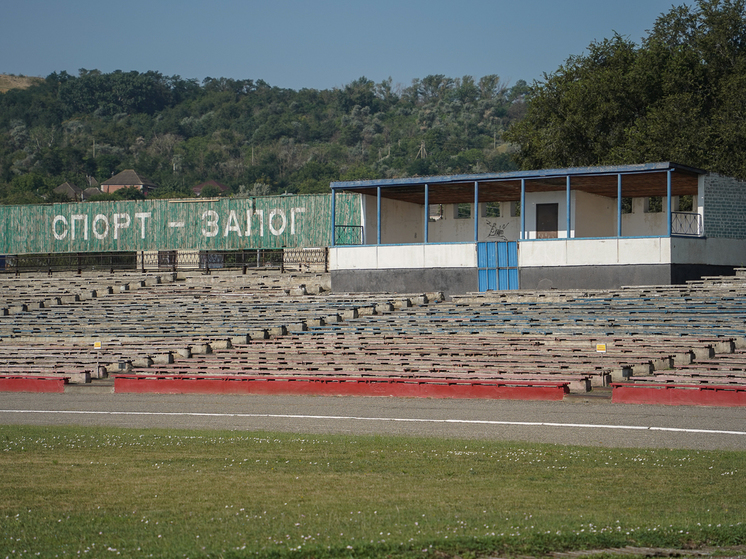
(491, 209)
(515, 209)
(435, 212)
(653, 205)
(462, 211)
(626, 205)
(686, 203)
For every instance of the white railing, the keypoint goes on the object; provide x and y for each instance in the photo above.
(686, 223)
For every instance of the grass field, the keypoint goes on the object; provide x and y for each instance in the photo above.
(80, 492)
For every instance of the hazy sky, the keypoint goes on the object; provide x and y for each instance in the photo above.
(314, 44)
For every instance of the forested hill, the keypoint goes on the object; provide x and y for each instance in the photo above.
(245, 134)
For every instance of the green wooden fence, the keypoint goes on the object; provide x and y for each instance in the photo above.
(193, 224)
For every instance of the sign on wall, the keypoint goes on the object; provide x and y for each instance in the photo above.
(221, 224)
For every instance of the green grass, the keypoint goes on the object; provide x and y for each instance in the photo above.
(81, 492)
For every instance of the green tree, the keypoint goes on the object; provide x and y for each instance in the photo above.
(582, 111)
(678, 96)
(210, 191)
(243, 132)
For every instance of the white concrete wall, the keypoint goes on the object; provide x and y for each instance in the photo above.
(640, 223)
(448, 229)
(503, 228)
(593, 215)
(402, 222)
(461, 255)
(560, 252)
(559, 198)
(594, 252)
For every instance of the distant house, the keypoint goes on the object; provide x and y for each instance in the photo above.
(92, 191)
(198, 189)
(127, 179)
(73, 192)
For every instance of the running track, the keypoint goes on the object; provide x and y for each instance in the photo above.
(597, 424)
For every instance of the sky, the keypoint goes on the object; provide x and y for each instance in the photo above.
(317, 44)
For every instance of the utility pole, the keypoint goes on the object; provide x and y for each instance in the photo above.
(423, 152)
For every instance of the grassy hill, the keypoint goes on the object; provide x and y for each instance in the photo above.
(16, 82)
(247, 135)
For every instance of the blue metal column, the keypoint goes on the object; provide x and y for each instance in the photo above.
(568, 206)
(334, 216)
(427, 210)
(523, 208)
(669, 216)
(476, 212)
(378, 216)
(619, 205)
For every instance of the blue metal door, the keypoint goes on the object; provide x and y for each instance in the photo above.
(497, 264)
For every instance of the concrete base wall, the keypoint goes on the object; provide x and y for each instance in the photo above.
(455, 281)
(611, 277)
(681, 273)
(448, 280)
(594, 277)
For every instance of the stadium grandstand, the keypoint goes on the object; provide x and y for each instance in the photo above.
(330, 295)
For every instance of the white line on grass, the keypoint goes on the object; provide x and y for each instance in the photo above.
(392, 419)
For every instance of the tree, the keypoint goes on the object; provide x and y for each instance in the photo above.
(244, 132)
(679, 96)
(210, 191)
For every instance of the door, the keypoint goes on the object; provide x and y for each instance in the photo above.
(546, 221)
(497, 264)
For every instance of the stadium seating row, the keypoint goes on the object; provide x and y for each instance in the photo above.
(290, 324)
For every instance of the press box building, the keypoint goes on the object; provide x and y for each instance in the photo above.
(593, 227)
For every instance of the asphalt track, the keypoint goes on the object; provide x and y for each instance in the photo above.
(581, 423)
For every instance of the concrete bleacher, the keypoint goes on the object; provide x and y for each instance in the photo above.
(265, 323)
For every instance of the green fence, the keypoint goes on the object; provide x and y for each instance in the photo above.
(131, 226)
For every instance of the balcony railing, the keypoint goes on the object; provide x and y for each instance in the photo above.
(688, 224)
(348, 235)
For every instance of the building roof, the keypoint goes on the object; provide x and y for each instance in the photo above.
(91, 191)
(129, 177)
(644, 180)
(69, 190)
(198, 189)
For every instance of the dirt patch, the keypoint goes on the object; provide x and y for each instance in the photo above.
(16, 82)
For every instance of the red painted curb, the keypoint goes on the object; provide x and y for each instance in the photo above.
(679, 394)
(32, 384)
(330, 386)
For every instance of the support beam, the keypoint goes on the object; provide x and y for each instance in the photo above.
(523, 208)
(476, 212)
(334, 217)
(427, 211)
(569, 227)
(378, 216)
(669, 215)
(619, 205)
